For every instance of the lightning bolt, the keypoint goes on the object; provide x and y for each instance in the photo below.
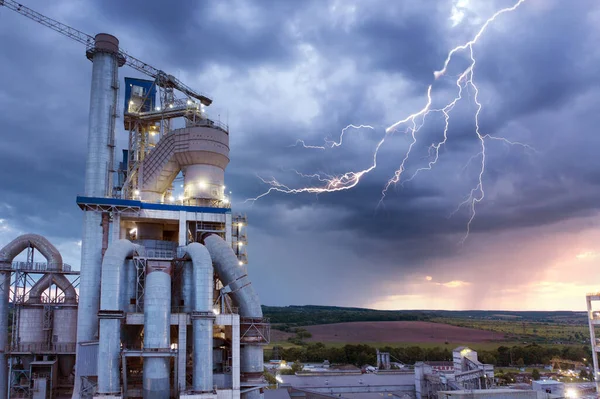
(413, 124)
(330, 144)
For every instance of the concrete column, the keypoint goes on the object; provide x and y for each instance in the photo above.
(235, 352)
(4, 297)
(182, 229)
(181, 352)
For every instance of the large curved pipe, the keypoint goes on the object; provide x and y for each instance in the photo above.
(231, 274)
(35, 294)
(7, 254)
(202, 275)
(16, 246)
(111, 303)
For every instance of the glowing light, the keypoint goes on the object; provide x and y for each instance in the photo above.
(587, 255)
(202, 184)
(173, 346)
(226, 200)
(157, 108)
(136, 192)
(428, 278)
(215, 311)
(133, 231)
(180, 198)
(411, 125)
(240, 243)
(171, 198)
(241, 263)
(170, 105)
(571, 393)
(189, 102)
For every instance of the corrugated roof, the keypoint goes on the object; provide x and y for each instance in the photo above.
(276, 394)
(308, 381)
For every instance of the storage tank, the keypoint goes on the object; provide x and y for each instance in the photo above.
(31, 322)
(64, 327)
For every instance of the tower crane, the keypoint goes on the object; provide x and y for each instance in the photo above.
(162, 79)
(140, 124)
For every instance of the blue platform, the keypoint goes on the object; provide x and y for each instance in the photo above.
(86, 202)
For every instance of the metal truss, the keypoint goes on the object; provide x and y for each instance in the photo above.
(255, 330)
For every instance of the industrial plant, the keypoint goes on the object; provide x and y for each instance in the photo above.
(162, 305)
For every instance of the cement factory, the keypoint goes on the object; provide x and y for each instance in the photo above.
(162, 305)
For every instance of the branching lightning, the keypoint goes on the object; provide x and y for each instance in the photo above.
(330, 144)
(412, 125)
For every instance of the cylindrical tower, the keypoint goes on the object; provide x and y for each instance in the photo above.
(31, 333)
(106, 60)
(204, 163)
(157, 330)
(64, 332)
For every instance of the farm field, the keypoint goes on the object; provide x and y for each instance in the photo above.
(394, 332)
(528, 331)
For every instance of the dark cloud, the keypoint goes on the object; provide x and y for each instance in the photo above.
(288, 70)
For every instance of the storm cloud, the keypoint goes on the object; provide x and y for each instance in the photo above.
(280, 71)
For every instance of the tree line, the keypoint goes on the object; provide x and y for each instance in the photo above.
(362, 354)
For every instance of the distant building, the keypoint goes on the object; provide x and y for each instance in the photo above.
(489, 394)
(464, 372)
(342, 385)
(549, 387)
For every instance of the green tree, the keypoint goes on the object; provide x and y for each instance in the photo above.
(520, 362)
(535, 374)
(297, 366)
(270, 378)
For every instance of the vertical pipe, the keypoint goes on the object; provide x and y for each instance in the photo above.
(230, 273)
(98, 183)
(104, 232)
(187, 287)
(4, 291)
(202, 317)
(157, 332)
(111, 311)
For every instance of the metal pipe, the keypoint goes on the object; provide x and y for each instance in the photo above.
(98, 179)
(105, 220)
(157, 330)
(19, 244)
(111, 307)
(202, 317)
(243, 295)
(35, 294)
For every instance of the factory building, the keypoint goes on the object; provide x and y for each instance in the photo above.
(467, 372)
(162, 306)
(593, 322)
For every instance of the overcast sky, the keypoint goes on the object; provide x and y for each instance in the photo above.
(283, 70)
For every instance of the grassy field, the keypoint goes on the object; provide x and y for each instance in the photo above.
(449, 346)
(527, 331)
